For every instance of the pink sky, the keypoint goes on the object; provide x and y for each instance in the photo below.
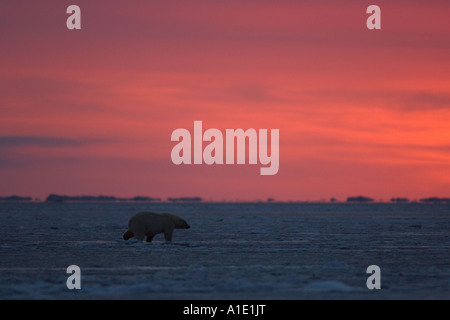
(91, 111)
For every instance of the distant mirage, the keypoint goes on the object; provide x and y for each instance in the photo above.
(213, 152)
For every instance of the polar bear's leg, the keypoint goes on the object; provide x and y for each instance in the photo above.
(137, 228)
(168, 234)
(139, 235)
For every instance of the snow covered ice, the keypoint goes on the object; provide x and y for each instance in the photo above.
(231, 251)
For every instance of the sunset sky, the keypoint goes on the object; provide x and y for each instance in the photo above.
(91, 111)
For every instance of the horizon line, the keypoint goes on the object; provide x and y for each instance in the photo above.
(55, 198)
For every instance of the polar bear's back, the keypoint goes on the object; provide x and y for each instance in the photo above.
(147, 223)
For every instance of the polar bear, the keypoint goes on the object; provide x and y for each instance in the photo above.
(148, 224)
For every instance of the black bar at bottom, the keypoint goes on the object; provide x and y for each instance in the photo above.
(213, 309)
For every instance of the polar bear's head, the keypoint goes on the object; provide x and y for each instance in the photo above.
(182, 224)
(179, 223)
